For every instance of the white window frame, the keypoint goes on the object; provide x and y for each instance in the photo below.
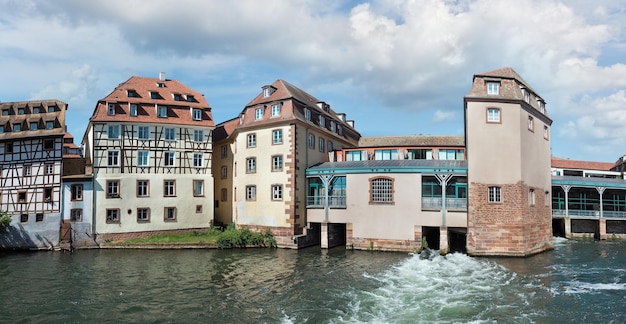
(169, 188)
(251, 165)
(277, 192)
(258, 114)
(251, 140)
(275, 110)
(198, 135)
(143, 188)
(197, 114)
(169, 133)
(322, 144)
(493, 87)
(133, 110)
(113, 132)
(111, 109)
(307, 114)
(198, 160)
(143, 132)
(143, 158)
(531, 123)
(494, 115)
(277, 136)
(162, 111)
(277, 162)
(198, 188)
(494, 194)
(251, 192)
(115, 156)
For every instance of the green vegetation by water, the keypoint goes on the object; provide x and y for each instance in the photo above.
(229, 238)
(5, 221)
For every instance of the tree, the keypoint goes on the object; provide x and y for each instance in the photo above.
(5, 221)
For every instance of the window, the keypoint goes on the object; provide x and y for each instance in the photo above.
(251, 140)
(266, 92)
(111, 110)
(169, 158)
(21, 196)
(51, 109)
(27, 170)
(307, 114)
(531, 197)
(170, 134)
(24, 218)
(354, 156)
(143, 214)
(143, 188)
(47, 194)
(311, 141)
(277, 163)
(131, 93)
(250, 192)
(330, 146)
(339, 130)
(36, 110)
(34, 126)
(198, 135)
(49, 168)
(169, 188)
(546, 198)
(77, 192)
(224, 172)
(321, 144)
(113, 158)
(50, 124)
(8, 147)
(224, 151)
(495, 194)
(5, 112)
(39, 217)
(48, 144)
(381, 191)
(526, 95)
(531, 123)
(143, 132)
(114, 131)
(178, 97)
(1, 129)
(113, 188)
(420, 154)
(277, 192)
(493, 115)
(197, 160)
(542, 106)
(198, 188)
(385, 154)
(191, 98)
(142, 158)
(199, 209)
(169, 214)
(162, 111)
(224, 194)
(197, 114)
(493, 88)
(449, 154)
(322, 121)
(133, 110)
(154, 94)
(546, 132)
(258, 114)
(17, 127)
(251, 165)
(275, 110)
(333, 126)
(76, 215)
(277, 136)
(113, 216)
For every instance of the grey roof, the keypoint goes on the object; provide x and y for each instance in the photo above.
(411, 140)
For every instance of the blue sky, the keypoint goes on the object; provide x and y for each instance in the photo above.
(395, 67)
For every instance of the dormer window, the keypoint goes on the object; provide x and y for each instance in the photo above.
(542, 106)
(154, 95)
(197, 114)
(17, 127)
(275, 110)
(526, 94)
(1, 129)
(111, 110)
(161, 85)
(339, 130)
(307, 114)
(493, 88)
(322, 121)
(178, 97)
(162, 111)
(258, 114)
(50, 124)
(133, 110)
(266, 92)
(20, 111)
(191, 98)
(51, 109)
(132, 93)
(5, 112)
(35, 110)
(34, 126)
(333, 126)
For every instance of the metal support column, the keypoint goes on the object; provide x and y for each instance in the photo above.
(443, 179)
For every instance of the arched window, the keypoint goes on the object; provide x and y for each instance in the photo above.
(381, 190)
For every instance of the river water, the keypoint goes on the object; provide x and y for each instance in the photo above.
(580, 281)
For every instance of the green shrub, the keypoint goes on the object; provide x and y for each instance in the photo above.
(232, 238)
(5, 221)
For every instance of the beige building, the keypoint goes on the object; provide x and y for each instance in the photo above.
(263, 154)
(508, 152)
(150, 144)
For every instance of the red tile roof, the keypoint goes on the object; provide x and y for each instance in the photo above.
(177, 97)
(580, 165)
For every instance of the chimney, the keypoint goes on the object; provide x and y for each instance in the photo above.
(162, 76)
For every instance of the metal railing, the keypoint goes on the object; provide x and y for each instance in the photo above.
(320, 201)
(589, 214)
(451, 203)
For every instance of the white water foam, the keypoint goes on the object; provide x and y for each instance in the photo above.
(454, 288)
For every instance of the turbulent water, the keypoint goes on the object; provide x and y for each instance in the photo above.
(580, 281)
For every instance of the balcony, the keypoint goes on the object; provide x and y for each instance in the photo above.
(589, 214)
(338, 201)
(452, 204)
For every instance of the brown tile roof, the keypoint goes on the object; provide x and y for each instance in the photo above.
(177, 97)
(412, 140)
(580, 165)
(29, 116)
(506, 73)
(223, 130)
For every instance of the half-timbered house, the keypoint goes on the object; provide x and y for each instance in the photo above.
(150, 144)
(31, 142)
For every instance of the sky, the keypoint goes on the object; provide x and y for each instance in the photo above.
(394, 67)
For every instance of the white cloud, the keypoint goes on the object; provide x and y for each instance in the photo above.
(442, 116)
